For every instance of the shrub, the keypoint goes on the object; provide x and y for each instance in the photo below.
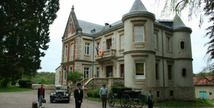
(25, 84)
(74, 76)
(93, 93)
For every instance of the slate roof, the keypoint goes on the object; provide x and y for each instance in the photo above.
(138, 6)
(87, 27)
(177, 22)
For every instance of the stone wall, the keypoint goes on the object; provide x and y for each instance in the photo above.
(47, 87)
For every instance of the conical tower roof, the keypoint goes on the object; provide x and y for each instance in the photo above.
(138, 9)
(178, 24)
(138, 6)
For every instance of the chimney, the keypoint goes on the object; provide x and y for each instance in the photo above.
(106, 24)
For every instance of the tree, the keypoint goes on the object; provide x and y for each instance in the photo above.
(74, 76)
(207, 73)
(201, 8)
(198, 8)
(24, 34)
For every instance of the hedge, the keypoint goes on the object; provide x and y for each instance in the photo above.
(25, 84)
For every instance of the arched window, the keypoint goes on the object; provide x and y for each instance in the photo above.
(182, 44)
(184, 72)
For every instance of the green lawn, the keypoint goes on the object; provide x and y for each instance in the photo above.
(197, 103)
(14, 89)
(180, 104)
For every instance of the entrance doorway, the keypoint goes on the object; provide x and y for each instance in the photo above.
(203, 94)
(109, 71)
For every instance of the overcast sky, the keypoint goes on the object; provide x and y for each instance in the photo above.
(109, 11)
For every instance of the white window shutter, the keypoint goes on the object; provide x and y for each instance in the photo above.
(104, 45)
(113, 43)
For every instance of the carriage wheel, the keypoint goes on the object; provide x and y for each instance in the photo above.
(138, 102)
(125, 101)
(111, 101)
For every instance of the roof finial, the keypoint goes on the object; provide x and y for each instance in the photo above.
(72, 9)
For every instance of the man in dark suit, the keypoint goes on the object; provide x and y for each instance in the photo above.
(78, 95)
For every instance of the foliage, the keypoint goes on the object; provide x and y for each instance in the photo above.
(209, 5)
(196, 103)
(93, 93)
(74, 76)
(25, 84)
(199, 8)
(14, 89)
(207, 73)
(24, 34)
(44, 78)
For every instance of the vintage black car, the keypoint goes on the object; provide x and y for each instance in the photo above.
(61, 94)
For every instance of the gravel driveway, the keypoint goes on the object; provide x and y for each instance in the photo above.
(25, 99)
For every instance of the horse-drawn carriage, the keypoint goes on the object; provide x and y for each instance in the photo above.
(127, 97)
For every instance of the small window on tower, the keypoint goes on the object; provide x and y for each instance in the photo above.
(184, 72)
(182, 44)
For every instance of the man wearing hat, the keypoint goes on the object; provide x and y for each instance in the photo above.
(103, 94)
(78, 95)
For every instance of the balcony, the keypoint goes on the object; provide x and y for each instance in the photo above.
(108, 55)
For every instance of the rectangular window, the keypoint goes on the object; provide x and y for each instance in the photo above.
(66, 51)
(108, 43)
(169, 72)
(156, 40)
(158, 94)
(98, 72)
(171, 93)
(65, 73)
(169, 43)
(156, 71)
(87, 48)
(140, 69)
(139, 33)
(72, 50)
(86, 71)
(122, 42)
(71, 69)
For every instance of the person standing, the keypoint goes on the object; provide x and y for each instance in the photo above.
(78, 95)
(103, 94)
(150, 99)
(41, 95)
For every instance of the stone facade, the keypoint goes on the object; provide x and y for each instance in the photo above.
(147, 53)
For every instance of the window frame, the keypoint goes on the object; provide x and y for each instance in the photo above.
(108, 43)
(156, 39)
(122, 42)
(87, 48)
(71, 50)
(66, 50)
(86, 72)
(140, 76)
(97, 72)
(136, 23)
(169, 43)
